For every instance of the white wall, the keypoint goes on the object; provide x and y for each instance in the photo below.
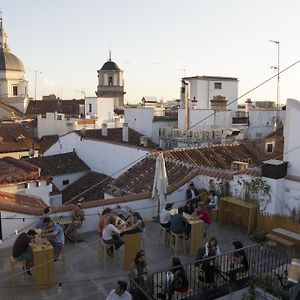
(262, 122)
(9, 226)
(291, 137)
(110, 159)
(58, 180)
(204, 91)
(220, 119)
(102, 109)
(161, 124)
(53, 123)
(41, 191)
(140, 119)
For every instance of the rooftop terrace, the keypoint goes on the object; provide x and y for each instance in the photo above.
(85, 278)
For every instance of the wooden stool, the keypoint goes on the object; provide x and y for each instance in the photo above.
(102, 252)
(163, 235)
(175, 242)
(13, 262)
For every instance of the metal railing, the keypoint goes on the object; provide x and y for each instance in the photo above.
(217, 276)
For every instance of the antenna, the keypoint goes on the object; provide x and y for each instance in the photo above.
(1, 26)
(109, 59)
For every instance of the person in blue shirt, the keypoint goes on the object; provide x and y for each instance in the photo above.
(55, 234)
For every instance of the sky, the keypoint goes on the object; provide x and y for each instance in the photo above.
(155, 43)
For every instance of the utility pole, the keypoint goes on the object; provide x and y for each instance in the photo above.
(278, 78)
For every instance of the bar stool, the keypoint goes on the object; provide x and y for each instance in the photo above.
(175, 242)
(102, 252)
(163, 235)
(13, 262)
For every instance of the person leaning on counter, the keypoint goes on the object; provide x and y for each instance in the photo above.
(55, 234)
(22, 251)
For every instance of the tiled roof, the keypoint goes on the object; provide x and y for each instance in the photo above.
(14, 171)
(14, 138)
(54, 165)
(184, 164)
(46, 142)
(258, 147)
(89, 187)
(114, 135)
(277, 133)
(215, 156)
(68, 107)
(21, 204)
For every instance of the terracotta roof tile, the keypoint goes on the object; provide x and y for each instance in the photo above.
(54, 165)
(68, 107)
(14, 171)
(114, 135)
(21, 204)
(14, 138)
(89, 187)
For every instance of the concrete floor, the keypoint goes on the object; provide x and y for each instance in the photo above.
(85, 278)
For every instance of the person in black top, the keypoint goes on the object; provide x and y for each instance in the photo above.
(189, 208)
(21, 250)
(178, 280)
(192, 194)
(240, 262)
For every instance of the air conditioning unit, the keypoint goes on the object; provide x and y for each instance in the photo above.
(208, 134)
(239, 165)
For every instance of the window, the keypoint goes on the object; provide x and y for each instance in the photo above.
(110, 81)
(258, 134)
(66, 182)
(90, 107)
(270, 147)
(218, 85)
(15, 90)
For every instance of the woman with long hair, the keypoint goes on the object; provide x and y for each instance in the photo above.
(138, 272)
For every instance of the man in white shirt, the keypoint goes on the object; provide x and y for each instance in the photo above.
(119, 292)
(165, 216)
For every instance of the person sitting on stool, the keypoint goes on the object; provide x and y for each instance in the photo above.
(111, 235)
(178, 223)
(22, 251)
(165, 216)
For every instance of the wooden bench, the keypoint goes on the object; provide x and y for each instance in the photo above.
(288, 244)
(288, 235)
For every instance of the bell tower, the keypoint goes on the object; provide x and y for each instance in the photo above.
(111, 82)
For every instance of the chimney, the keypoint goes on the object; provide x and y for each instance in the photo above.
(125, 132)
(104, 129)
(143, 141)
(218, 103)
(248, 104)
(184, 103)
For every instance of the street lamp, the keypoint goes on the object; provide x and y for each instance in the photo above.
(278, 71)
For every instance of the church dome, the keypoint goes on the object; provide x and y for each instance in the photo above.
(9, 61)
(110, 66)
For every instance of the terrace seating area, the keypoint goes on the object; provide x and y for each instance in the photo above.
(85, 277)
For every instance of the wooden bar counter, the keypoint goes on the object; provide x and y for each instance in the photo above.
(131, 247)
(235, 210)
(44, 273)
